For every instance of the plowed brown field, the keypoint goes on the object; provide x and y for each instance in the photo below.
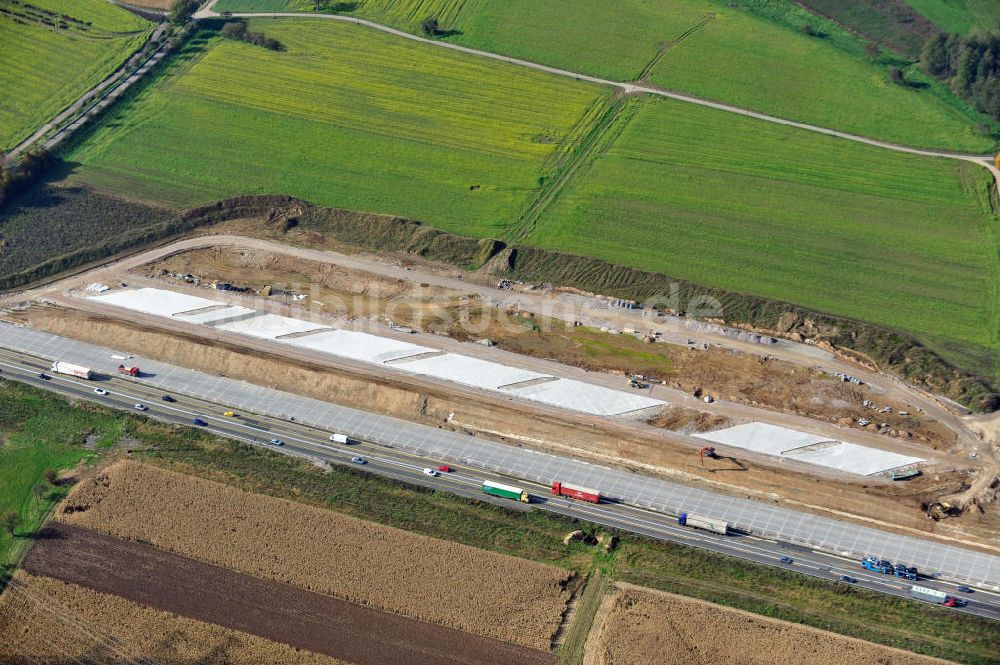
(393, 570)
(43, 620)
(639, 626)
(271, 610)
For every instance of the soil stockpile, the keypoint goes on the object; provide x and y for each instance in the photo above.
(642, 626)
(361, 562)
(275, 611)
(44, 620)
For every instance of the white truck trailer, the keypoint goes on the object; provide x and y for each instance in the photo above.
(702, 522)
(70, 369)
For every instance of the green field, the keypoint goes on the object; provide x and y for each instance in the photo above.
(39, 432)
(345, 117)
(893, 239)
(481, 148)
(47, 61)
(961, 16)
(754, 57)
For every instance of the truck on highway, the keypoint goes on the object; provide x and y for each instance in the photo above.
(876, 565)
(339, 438)
(506, 491)
(576, 492)
(78, 371)
(702, 522)
(933, 596)
(129, 370)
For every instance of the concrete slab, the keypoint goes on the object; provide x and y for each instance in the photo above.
(269, 326)
(155, 301)
(358, 346)
(852, 458)
(216, 316)
(762, 438)
(468, 371)
(585, 397)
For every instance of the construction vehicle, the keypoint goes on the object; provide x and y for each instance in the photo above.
(709, 452)
(938, 509)
(79, 371)
(506, 491)
(575, 492)
(129, 370)
(702, 522)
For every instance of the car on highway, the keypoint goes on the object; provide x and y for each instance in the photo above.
(359, 460)
(199, 422)
(786, 559)
(43, 375)
(139, 406)
(168, 398)
(277, 442)
(444, 468)
(100, 391)
(965, 589)
(430, 472)
(229, 414)
(847, 579)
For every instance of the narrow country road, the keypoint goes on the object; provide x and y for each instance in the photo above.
(986, 161)
(99, 92)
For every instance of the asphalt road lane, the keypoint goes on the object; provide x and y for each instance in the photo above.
(314, 444)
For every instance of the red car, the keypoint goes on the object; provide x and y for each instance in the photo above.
(444, 468)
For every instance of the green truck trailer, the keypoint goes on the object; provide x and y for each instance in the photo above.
(506, 491)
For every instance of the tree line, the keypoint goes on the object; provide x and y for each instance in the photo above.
(969, 65)
(29, 170)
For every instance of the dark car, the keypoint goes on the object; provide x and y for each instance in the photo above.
(199, 422)
(786, 559)
(965, 589)
(168, 398)
(847, 580)
(42, 375)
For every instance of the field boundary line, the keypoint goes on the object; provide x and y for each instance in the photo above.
(628, 87)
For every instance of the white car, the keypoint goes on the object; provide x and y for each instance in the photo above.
(277, 442)
(141, 407)
(100, 391)
(430, 472)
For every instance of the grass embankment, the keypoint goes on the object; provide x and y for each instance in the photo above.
(40, 432)
(897, 240)
(52, 52)
(533, 535)
(755, 55)
(397, 127)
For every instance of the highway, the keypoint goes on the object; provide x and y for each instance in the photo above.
(465, 480)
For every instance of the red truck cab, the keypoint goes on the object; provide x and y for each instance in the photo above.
(582, 493)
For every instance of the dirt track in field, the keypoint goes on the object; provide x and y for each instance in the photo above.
(44, 620)
(277, 612)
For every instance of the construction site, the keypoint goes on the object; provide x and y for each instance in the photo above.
(576, 374)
